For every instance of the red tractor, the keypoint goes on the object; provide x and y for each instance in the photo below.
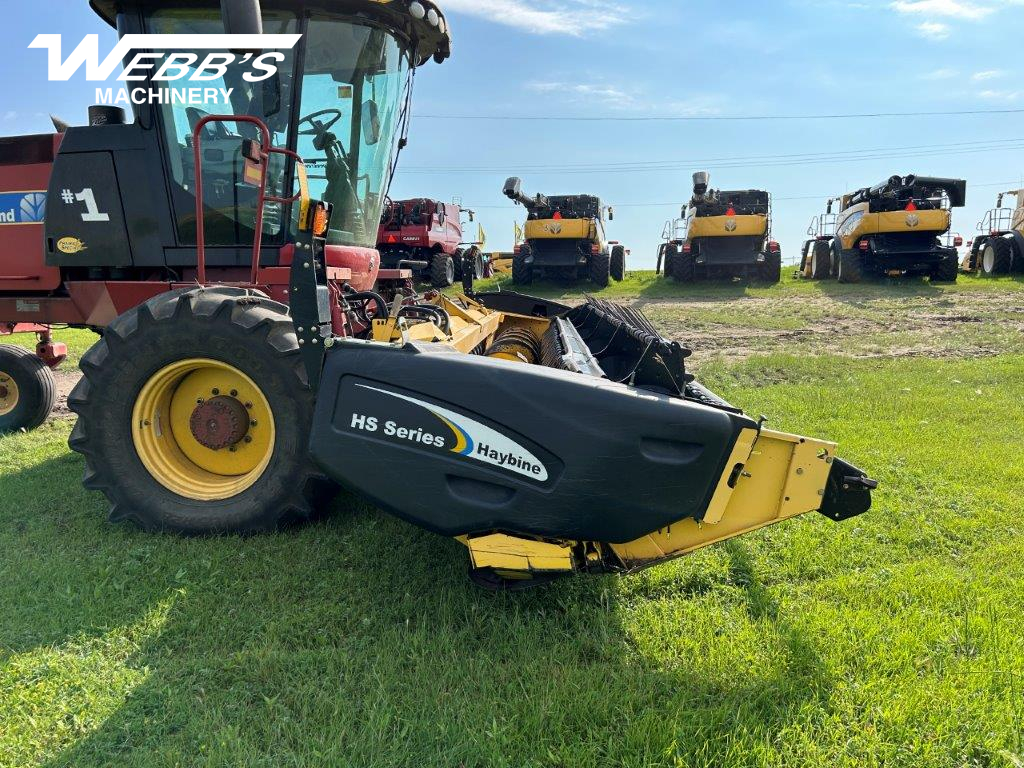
(427, 237)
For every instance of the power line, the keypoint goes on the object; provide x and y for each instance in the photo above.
(715, 118)
(988, 143)
(780, 162)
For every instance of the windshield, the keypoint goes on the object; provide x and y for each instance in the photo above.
(230, 204)
(353, 93)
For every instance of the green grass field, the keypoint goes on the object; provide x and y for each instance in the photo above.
(894, 639)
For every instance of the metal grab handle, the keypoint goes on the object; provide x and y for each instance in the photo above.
(262, 198)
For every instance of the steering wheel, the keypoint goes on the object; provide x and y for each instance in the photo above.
(317, 128)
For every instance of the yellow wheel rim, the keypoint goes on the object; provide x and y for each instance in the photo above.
(179, 432)
(8, 394)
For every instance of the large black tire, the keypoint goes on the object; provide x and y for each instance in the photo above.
(28, 390)
(600, 267)
(668, 256)
(821, 261)
(770, 271)
(996, 257)
(683, 267)
(850, 266)
(442, 270)
(231, 326)
(459, 260)
(946, 271)
(522, 273)
(618, 264)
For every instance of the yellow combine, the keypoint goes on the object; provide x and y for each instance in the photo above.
(564, 237)
(725, 233)
(893, 229)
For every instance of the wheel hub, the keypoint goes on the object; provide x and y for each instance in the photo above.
(8, 394)
(203, 429)
(219, 422)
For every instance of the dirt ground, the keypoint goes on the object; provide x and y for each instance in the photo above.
(868, 325)
(66, 380)
(871, 324)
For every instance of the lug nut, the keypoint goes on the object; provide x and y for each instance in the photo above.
(234, 393)
(216, 391)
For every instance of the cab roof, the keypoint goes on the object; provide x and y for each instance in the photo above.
(429, 40)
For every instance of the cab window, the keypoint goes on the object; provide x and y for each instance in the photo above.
(229, 204)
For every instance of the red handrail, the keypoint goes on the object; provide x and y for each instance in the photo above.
(262, 198)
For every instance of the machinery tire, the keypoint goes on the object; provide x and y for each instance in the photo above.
(683, 267)
(479, 270)
(946, 271)
(147, 363)
(618, 264)
(600, 269)
(442, 270)
(668, 263)
(996, 257)
(28, 390)
(821, 261)
(851, 266)
(522, 273)
(459, 260)
(771, 270)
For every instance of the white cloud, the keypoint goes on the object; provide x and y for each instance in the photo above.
(940, 74)
(954, 9)
(542, 17)
(1003, 96)
(594, 92)
(988, 74)
(933, 30)
(630, 101)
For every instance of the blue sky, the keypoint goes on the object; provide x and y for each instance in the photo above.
(670, 58)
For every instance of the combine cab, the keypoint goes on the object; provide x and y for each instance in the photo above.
(896, 229)
(727, 233)
(427, 237)
(247, 367)
(564, 237)
(999, 249)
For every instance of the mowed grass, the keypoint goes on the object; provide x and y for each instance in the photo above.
(890, 640)
(646, 284)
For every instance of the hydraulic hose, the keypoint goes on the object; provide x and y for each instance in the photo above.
(444, 321)
(366, 296)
